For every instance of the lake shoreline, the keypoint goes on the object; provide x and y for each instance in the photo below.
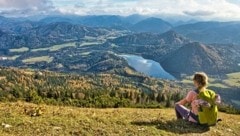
(147, 66)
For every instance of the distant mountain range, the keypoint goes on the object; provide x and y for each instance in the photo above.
(135, 22)
(206, 32)
(47, 34)
(203, 46)
(111, 21)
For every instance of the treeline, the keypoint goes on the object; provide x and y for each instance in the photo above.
(101, 90)
(94, 90)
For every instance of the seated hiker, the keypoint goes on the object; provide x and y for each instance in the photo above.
(203, 103)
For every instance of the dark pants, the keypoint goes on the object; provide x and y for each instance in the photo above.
(183, 113)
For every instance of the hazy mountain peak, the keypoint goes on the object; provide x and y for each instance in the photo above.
(152, 24)
(193, 57)
(171, 37)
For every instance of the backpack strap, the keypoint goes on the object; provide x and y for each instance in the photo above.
(196, 91)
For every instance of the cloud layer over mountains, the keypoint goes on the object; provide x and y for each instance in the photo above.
(197, 9)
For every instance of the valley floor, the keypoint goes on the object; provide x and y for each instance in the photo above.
(21, 118)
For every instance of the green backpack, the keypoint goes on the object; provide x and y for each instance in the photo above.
(208, 115)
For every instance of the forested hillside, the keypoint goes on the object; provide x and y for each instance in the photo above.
(90, 90)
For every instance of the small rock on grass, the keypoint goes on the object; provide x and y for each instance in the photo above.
(6, 125)
(57, 128)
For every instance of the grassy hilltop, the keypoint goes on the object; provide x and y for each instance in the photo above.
(59, 120)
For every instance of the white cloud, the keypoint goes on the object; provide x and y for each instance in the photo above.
(25, 7)
(23, 4)
(199, 13)
(198, 9)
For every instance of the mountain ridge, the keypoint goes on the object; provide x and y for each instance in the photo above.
(195, 57)
(211, 32)
(151, 24)
(169, 37)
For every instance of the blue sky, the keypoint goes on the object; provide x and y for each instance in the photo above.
(188, 9)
